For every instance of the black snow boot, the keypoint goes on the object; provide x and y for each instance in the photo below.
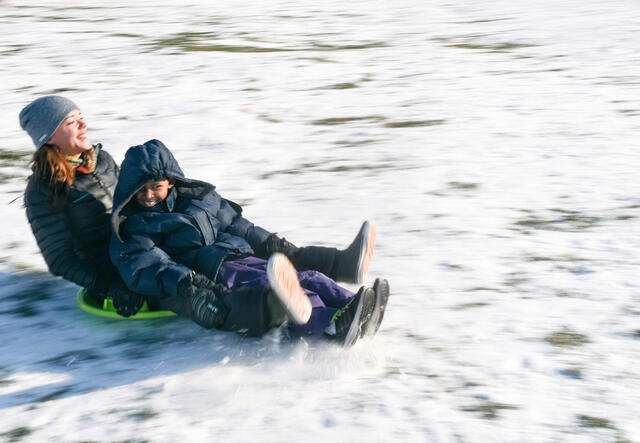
(346, 324)
(351, 265)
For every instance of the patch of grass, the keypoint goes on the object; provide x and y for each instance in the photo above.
(514, 281)
(488, 409)
(345, 120)
(268, 118)
(341, 86)
(54, 395)
(355, 143)
(4, 178)
(148, 393)
(414, 123)
(419, 338)
(317, 59)
(589, 421)
(230, 48)
(452, 266)
(567, 223)
(324, 47)
(575, 373)
(463, 186)
(143, 415)
(561, 258)
(324, 167)
(13, 50)
(482, 288)
(202, 41)
(60, 91)
(470, 305)
(566, 339)
(126, 35)
(563, 293)
(17, 434)
(499, 47)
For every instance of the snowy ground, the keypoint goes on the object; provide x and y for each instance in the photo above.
(495, 143)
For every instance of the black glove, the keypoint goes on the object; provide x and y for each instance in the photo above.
(126, 302)
(100, 286)
(274, 244)
(205, 298)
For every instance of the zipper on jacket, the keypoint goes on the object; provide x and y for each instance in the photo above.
(101, 184)
(85, 195)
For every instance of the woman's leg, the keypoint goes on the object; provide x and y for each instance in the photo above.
(349, 265)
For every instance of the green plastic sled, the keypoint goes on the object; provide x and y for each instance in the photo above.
(89, 304)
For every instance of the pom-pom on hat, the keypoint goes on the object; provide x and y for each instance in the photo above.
(41, 117)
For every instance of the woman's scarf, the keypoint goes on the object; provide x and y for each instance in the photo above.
(84, 164)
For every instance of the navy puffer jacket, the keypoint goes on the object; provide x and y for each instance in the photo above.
(193, 229)
(74, 239)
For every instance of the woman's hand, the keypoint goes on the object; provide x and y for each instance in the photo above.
(126, 302)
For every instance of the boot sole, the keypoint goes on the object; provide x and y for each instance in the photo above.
(381, 288)
(366, 251)
(283, 279)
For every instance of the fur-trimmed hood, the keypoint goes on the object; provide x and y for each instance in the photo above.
(149, 161)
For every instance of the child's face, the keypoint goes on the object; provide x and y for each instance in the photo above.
(153, 192)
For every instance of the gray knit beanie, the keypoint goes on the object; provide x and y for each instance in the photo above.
(41, 117)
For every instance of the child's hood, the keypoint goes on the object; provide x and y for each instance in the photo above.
(149, 161)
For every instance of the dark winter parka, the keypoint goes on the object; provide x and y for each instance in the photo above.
(74, 238)
(194, 228)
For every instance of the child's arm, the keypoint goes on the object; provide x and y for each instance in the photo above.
(145, 268)
(240, 226)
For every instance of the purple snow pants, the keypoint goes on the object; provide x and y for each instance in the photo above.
(325, 295)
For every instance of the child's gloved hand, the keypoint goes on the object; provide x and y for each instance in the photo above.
(205, 299)
(201, 281)
(126, 302)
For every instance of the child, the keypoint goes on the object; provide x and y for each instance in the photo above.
(187, 249)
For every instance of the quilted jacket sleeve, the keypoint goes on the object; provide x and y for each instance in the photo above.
(144, 267)
(240, 226)
(53, 236)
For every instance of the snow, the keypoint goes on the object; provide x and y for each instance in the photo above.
(495, 144)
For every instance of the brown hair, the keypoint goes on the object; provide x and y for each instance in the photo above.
(49, 165)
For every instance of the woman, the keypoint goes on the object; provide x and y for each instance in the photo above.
(68, 200)
(70, 195)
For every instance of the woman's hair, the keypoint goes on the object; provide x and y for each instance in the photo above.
(49, 165)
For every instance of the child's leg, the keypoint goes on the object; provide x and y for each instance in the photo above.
(325, 295)
(326, 298)
(254, 306)
(326, 289)
(248, 311)
(249, 271)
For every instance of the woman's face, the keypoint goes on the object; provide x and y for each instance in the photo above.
(71, 135)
